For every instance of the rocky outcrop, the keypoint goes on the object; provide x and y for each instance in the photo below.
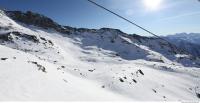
(8, 37)
(31, 18)
(36, 19)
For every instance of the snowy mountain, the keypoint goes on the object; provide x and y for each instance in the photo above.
(188, 37)
(189, 42)
(42, 60)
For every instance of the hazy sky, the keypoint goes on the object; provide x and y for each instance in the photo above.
(170, 16)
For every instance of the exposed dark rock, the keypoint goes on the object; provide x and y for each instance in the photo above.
(125, 77)
(4, 58)
(121, 80)
(112, 41)
(166, 68)
(140, 71)
(117, 54)
(40, 67)
(198, 95)
(85, 30)
(197, 92)
(81, 73)
(26, 36)
(8, 37)
(36, 19)
(47, 41)
(134, 80)
(43, 39)
(164, 96)
(32, 19)
(91, 70)
(154, 91)
(50, 42)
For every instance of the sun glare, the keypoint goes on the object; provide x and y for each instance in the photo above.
(152, 4)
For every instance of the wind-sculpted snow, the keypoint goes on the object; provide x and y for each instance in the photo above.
(38, 63)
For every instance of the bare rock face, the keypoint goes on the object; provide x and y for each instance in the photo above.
(9, 38)
(35, 19)
(32, 19)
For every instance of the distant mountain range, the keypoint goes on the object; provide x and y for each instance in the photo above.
(187, 41)
(188, 37)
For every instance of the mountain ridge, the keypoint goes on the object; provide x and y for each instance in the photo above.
(38, 20)
(91, 64)
(188, 37)
(187, 41)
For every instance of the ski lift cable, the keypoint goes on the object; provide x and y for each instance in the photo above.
(104, 8)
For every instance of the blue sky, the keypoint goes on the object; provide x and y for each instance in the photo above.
(172, 16)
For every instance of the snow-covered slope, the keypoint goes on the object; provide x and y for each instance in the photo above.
(39, 61)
